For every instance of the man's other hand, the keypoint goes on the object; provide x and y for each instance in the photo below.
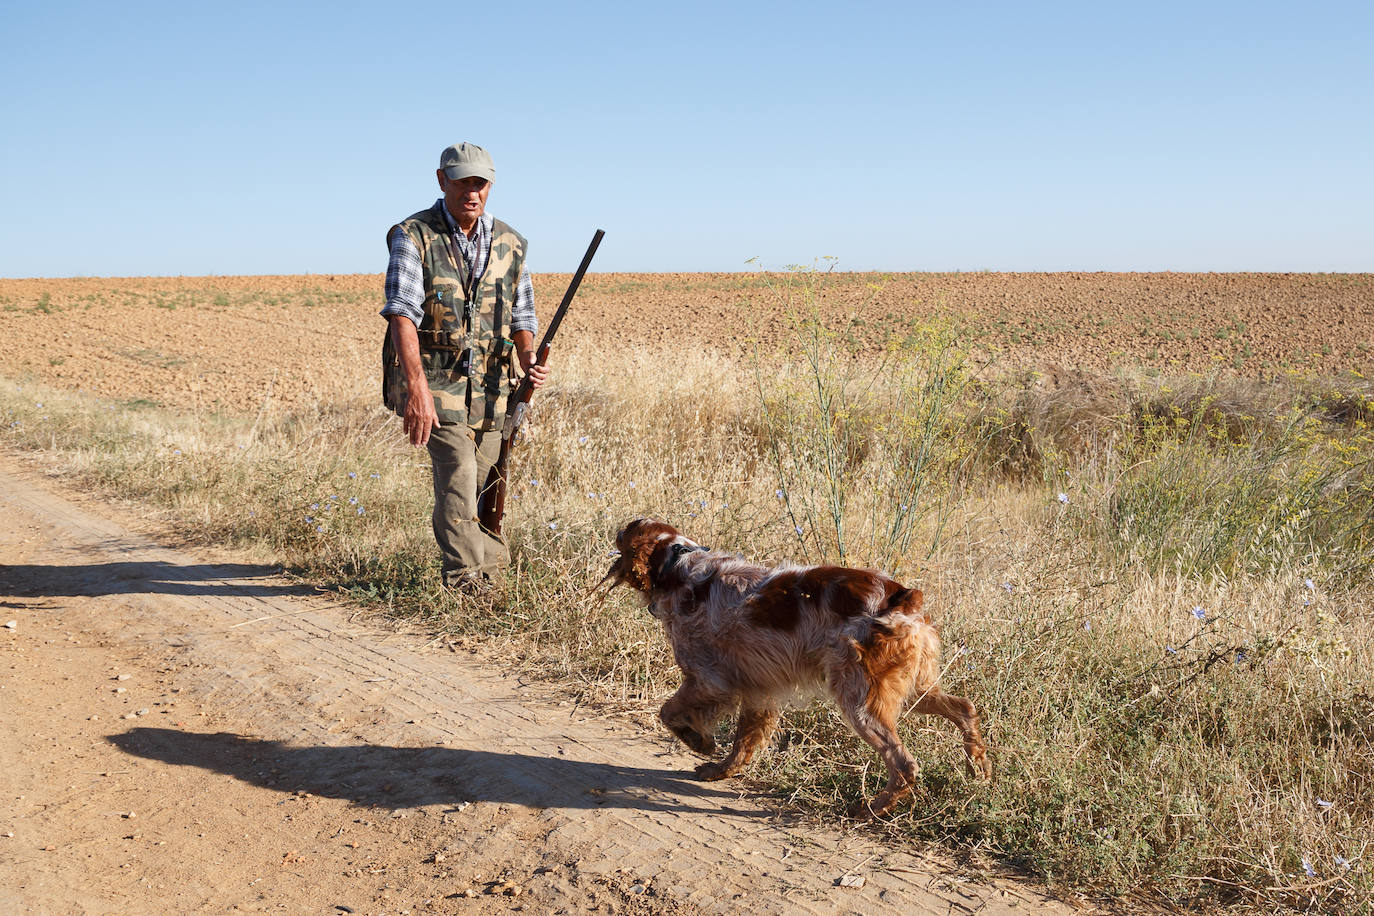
(420, 419)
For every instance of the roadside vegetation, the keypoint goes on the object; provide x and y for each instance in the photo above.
(1156, 589)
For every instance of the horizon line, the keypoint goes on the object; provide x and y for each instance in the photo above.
(791, 269)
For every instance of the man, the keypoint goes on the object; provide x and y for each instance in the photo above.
(461, 311)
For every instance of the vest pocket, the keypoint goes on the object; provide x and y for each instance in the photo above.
(496, 378)
(442, 365)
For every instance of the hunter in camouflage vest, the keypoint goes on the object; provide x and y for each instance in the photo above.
(460, 308)
(464, 339)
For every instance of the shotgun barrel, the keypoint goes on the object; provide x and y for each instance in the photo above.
(491, 502)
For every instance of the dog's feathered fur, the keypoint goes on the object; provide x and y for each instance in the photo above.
(749, 636)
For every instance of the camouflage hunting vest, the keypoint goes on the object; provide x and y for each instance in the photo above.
(460, 316)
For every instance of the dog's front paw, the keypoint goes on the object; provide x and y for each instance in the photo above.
(710, 772)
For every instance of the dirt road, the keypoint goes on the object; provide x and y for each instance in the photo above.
(184, 735)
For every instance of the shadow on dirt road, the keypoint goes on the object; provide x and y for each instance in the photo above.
(405, 777)
(151, 578)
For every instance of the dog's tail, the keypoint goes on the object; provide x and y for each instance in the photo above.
(901, 646)
(897, 614)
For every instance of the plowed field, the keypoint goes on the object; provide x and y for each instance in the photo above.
(243, 343)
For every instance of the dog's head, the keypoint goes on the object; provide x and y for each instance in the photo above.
(645, 546)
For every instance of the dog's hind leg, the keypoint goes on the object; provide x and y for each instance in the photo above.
(961, 712)
(692, 714)
(871, 706)
(875, 720)
(756, 723)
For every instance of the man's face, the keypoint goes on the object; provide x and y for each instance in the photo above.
(466, 197)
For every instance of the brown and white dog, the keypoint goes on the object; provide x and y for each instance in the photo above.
(748, 636)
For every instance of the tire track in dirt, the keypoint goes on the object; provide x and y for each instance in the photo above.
(385, 720)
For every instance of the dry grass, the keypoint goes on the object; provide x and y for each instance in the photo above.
(1155, 590)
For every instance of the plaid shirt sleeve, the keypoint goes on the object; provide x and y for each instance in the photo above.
(522, 317)
(405, 289)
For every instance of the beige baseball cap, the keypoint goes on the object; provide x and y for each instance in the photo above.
(467, 160)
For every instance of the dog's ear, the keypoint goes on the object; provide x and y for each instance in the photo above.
(638, 543)
(636, 549)
(623, 571)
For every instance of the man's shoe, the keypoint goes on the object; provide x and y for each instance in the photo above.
(474, 585)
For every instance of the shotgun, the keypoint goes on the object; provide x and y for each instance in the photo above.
(491, 502)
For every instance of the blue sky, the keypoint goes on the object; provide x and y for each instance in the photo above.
(159, 138)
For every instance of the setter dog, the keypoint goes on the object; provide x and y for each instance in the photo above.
(748, 637)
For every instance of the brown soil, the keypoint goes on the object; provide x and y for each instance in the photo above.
(245, 343)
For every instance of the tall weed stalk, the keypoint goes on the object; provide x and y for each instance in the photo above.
(864, 454)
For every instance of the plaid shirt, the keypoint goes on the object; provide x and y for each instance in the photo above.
(405, 286)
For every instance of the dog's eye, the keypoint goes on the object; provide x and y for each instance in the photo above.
(613, 553)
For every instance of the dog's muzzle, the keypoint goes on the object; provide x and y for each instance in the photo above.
(675, 553)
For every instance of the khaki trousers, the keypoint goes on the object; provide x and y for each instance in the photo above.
(461, 458)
